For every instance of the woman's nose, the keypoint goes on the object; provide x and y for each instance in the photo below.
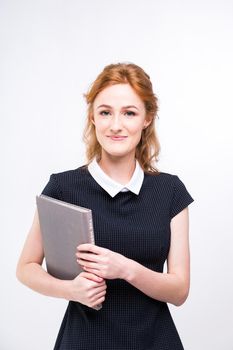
(116, 123)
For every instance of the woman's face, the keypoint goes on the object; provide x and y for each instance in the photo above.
(119, 116)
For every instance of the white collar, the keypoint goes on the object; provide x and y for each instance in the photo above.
(113, 187)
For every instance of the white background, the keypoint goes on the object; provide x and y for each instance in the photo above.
(50, 53)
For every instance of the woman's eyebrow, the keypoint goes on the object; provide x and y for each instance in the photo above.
(124, 107)
(105, 106)
(130, 106)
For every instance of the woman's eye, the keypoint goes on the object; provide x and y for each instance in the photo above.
(104, 113)
(130, 113)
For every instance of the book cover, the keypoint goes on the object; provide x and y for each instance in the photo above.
(63, 226)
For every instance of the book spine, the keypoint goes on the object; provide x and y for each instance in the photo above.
(91, 229)
(92, 240)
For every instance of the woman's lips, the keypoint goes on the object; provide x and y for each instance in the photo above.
(117, 138)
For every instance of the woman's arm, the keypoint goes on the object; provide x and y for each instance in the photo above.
(85, 288)
(171, 287)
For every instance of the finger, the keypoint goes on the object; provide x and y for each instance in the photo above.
(91, 270)
(87, 256)
(98, 301)
(100, 285)
(96, 296)
(89, 264)
(92, 277)
(88, 247)
(99, 289)
(99, 295)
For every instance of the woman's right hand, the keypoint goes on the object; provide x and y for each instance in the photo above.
(88, 289)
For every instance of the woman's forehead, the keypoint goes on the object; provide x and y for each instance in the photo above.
(118, 94)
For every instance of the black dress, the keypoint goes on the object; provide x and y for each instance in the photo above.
(137, 226)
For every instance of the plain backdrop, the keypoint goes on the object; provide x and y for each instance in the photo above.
(50, 52)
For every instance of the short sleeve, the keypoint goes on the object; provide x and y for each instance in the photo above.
(181, 197)
(52, 188)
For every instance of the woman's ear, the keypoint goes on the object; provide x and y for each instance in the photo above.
(92, 119)
(146, 123)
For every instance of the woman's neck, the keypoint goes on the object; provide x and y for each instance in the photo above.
(119, 169)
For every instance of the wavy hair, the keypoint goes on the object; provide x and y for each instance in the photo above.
(148, 148)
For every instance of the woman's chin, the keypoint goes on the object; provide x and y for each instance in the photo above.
(116, 152)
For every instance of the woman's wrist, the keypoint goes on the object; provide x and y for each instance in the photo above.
(129, 270)
(64, 289)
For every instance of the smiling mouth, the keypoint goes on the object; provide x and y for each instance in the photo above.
(117, 138)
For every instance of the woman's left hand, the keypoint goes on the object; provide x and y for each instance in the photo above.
(101, 261)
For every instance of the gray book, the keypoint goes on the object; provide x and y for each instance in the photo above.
(63, 226)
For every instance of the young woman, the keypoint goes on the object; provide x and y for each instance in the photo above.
(140, 218)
